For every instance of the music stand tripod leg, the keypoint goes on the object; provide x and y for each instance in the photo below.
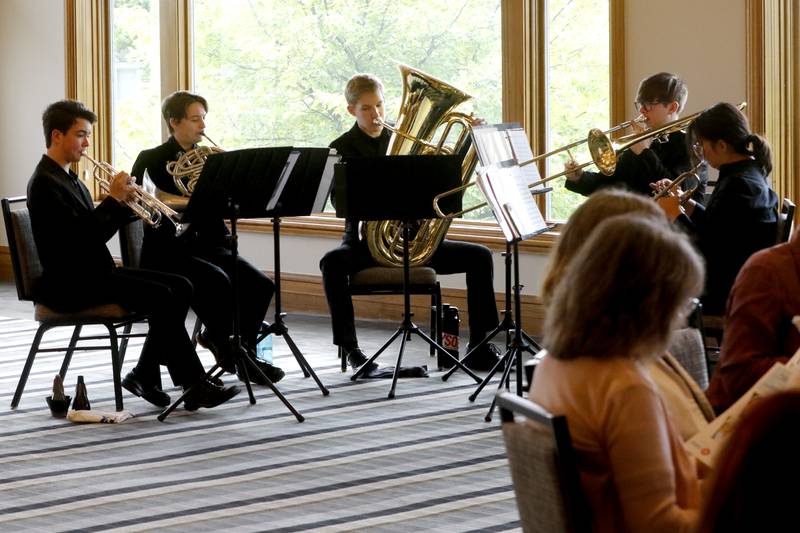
(271, 385)
(304, 364)
(515, 355)
(174, 405)
(279, 327)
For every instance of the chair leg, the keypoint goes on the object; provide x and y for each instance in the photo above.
(123, 343)
(439, 315)
(23, 378)
(198, 325)
(434, 330)
(76, 335)
(116, 363)
(343, 358)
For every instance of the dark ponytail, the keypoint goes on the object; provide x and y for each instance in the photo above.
(724, 121)
(762, 152)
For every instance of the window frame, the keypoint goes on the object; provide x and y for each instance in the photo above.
(524, 89)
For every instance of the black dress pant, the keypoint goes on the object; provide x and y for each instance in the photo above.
(210, 272)
(451, 257)
(164, 297)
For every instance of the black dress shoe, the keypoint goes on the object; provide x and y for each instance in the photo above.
(357, 358)
(206, 394)
(222, 356)
(484, 358)
(272, 372)
(134, 384)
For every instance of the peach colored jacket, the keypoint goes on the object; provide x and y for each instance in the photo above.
(634, 469)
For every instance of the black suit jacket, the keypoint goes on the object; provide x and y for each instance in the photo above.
(70, 233)
(636, 172)
(740, 219)
(356, 143)
(160, 245)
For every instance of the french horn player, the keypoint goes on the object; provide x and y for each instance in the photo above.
(369, 136)
(202, 254)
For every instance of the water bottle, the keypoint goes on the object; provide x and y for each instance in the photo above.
(450, 323)
(264, 349)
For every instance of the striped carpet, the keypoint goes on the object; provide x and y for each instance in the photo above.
(425, 461)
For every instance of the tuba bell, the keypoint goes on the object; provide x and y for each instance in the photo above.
(427, 104)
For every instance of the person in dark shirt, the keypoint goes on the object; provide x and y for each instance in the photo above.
(368, 137)
(79, 272)
(660, 99)
(202, 255)
(742, 212)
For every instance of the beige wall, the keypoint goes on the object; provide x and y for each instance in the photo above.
(32, 59)
(708, 50)
(703, 41)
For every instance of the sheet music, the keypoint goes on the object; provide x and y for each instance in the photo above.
(283, 179)
(507, 192)
(522, 153)
(491, 144)
(325, 182)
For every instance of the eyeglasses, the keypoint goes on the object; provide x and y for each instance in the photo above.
(647, 106)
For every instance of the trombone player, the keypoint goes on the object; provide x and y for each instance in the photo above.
(660, 99)
(79, 272)
(203, 255)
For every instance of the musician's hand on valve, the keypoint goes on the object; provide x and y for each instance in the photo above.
(573, 174)
(637, 148)
(671, 206)
(660, 185)
(121, 188)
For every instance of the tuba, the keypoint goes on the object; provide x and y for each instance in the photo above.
(186, 170)
(427, 104)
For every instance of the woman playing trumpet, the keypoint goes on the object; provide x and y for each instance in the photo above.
(659, 100)
(202, 255)
(741, 214)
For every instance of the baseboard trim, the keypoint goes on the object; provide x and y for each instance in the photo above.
(6, 272)
(303, 293)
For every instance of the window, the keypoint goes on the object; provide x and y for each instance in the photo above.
(577, 87)
(135, 83)
(274, 71)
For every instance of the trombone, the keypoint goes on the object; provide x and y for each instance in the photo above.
(143, 204)
(604, 153)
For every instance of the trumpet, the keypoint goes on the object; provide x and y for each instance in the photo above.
(186, 170)
(672, 188)
(146, 206)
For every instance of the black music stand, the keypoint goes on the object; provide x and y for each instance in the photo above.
(518, 225)
(404, 191)
(302, 190)
(237, 184)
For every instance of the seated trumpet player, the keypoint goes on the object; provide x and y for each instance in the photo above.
(202, 254)
(741, 214)
(368, 137)
(660, 99)
(79, 272)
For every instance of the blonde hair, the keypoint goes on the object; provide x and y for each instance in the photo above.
(624, 292)
(600, 206)
(360, 84)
